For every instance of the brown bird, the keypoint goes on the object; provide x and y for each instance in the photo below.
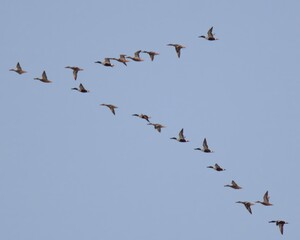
(143, 116)
(151, 54)
(80, 89)
(205, 147)
(157, 126)
(44, 78)
(181, 137)
(110, 106)
(75, 71)
(18, 69)
(178, 48)
(266, 199)
(136, 56)
(217, 168)
(280, 224)
(121, 59)
(247, 205)
(233, 185)
(210, 36)
(106, 62)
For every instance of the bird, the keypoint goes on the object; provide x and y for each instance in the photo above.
(106, 62)
(266, 199)
(233, 185)
(121, 59)
(157, 126)
(136, 56)
(143, 116)
(44, 78)
(18, 69)
(81, 89)
(110, 106)
(247, 205)
(75, 71)
(210, 36)
(151, 54)
(280, 224)
(178, 48)
(205, 147)
(181, 137)
(217, 168)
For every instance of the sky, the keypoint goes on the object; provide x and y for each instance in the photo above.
(70, 169)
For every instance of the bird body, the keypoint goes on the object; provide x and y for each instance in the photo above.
(111, 107)
(233, 185)
(136, 57)
(247, 205)
(280, 224)
(75, 71)
(210, 36)
(81, 89)
(18, 69)
(181, 137)
(44, 78)
(205, 147)
(178, 48)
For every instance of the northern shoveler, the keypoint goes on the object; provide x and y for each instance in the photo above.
(106, 62)
(157, 126)
(210, 36)
(280, 224)
(205, 147)
(75, 71)
(181, 137)
(151, 54)
(233, 185)
(110, 106)
(136, 56)
(143, 116)
(80, 89)
(266, 199)
(44, 78)
(121, 59)
(247, 205)
(217, 167)
(178, 48)
(18, 69)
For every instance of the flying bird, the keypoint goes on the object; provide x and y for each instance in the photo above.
(80, 89)
(121, 59)
(266, 199)
(44, 78)
(157, 126)
(280, 224)
(178, 48)
(217, 168)
(247, 205)
(18, 69)
(136, 56)
(233, 185)
(75, 71)
(106, 62)
(111, 107)
(205, 147)
(151, 54)
(210, 36)
(181, 137)
(143, 116)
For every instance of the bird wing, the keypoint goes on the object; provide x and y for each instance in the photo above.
(266, 197)
(205, 145)
(18, 66)
(181, 136)
(137, 53)
(209, 33)
(44, 76)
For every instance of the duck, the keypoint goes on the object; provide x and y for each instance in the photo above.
(136, 56)
(111, 107)
(217, 167)
(44, 78)
(121, 59)
(75, 71)
(266, 199)
(143, 116)
(205, 147)
(157, 126)
(280, 224)
(80, 89)
(178, 48)
(210, 36)
(247, 205)
(181, 137)
(233, 185)
(106, 62)
(151, 54)
(18, 69)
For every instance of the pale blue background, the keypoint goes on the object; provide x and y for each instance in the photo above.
(69, 169)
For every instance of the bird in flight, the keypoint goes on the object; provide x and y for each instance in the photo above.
(18, 69)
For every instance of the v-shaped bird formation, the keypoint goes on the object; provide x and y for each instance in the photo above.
(124, 59)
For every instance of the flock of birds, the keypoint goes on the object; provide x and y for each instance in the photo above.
(181, 138)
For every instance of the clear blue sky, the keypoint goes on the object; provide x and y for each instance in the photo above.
(69, 169)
